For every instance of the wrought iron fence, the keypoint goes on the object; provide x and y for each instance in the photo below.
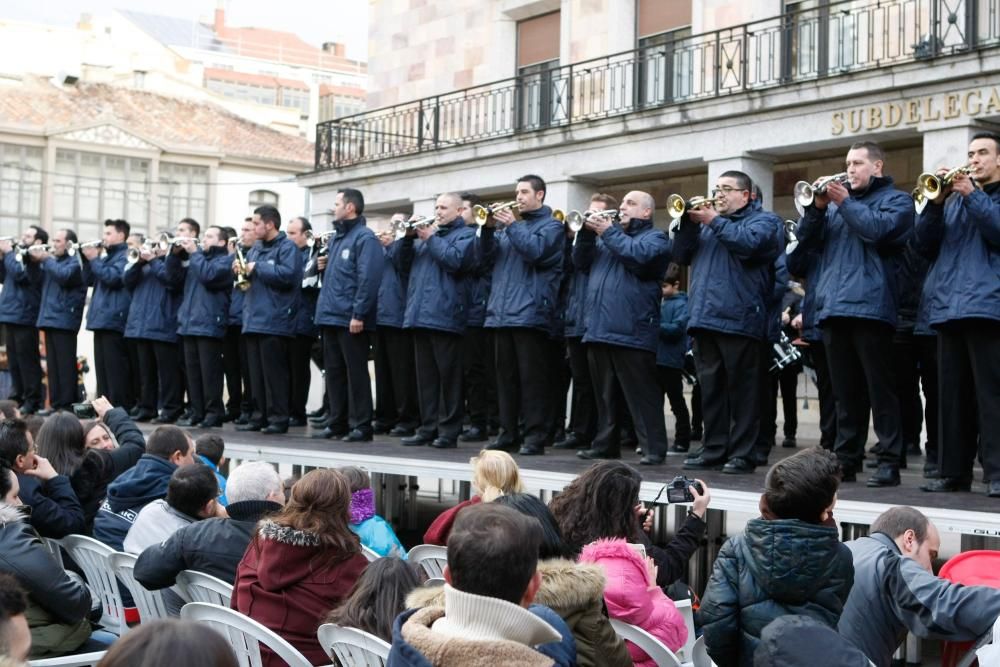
(830, 40)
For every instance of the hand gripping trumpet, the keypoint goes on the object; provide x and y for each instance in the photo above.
(484, 213)
(677, 206)
(401, 228)
(242, 281)
(805, 193)
(575, 220)
(931, 185)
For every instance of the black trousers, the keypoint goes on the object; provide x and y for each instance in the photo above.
(522, 395)
(824, 388)
(25, 367)
(140, 386)
(299, 356)
(583, 417)
(479, 377)
(696, 416)
(635, 372)
(145, 359)
(438, 361)
(559, 377)
(969, 376)
(60, 360)
(203, 361)
(170, 378)
(267, 357)
(348, 385)
(860, 355)
(237, 372)
(111, 365)
(768, 404)
(729, 377)
(914, 362)
(395, 379)
(672, 385)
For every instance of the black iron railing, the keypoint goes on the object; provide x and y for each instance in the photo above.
(834, 39)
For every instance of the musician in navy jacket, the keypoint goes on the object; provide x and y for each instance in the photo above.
(960, 233)
(306, 331)
(21, 275)
(346, 312)
(108, 314)
(857, 230)
(274, 267)
(436, 303)
(64, 293)
(239, 407)
(626, 262)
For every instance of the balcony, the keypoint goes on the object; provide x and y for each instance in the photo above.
(832, 40)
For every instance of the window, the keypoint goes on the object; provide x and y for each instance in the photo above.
(666, 60)
(263, 198)
(538, 100)
(806, 39)
(89, 188)
(183, 193)
(20, 188)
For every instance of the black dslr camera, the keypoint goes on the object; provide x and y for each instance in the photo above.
(678, 491)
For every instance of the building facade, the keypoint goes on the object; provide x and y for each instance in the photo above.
(660, 95)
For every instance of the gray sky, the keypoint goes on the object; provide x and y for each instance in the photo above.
(315, 21)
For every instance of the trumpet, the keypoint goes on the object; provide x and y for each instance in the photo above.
(791, 241)
(401, 228)
(484, 213)
(22, 250)
(931, 185)
(575, 219)
(9, 239)
(242, 281)
(805, 193)
(313, 240)
(919, 200)
(677, 206)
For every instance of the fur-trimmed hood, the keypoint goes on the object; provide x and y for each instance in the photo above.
(269, 530)
(9, 514)
(286, 556)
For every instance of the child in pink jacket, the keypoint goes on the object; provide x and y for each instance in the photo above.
(632, 595)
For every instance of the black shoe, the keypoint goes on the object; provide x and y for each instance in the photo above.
(381, 428)
(651, 461)
(250, 426)
(275, 428)
(163, 419)
(326, 434)
(758, 459)
(473, 434)
(738, 466)
(886, 475)
(189, 421)
(677, 449)
(993, 489)
(789, 443)
(401, 432)
(244, 418)
(947, 485)
(357, 435)
(696, 436)
(144, 416)
(531, 450)
(296, 422)
(45, 413)
(931, 471)
(503, 445)
(444, 443)
(318, 412)
(700, 463)
(210, 422)
(571, 441)
(596, 454)
(416, 440)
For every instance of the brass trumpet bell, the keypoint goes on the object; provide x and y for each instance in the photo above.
(919, 200)
(483, 213)
(805, 193)
(677, 206)
(931, 185)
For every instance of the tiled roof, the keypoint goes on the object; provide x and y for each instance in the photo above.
(173, 123)
(341, 91)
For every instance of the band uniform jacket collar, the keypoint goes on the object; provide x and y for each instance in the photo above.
(447, 227)
(541, 213)
(875, 184)
(116, 248)
(344, 226)
(276, 240)
(637, 225)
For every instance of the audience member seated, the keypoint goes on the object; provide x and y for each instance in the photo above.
(895, 590)
(55, 509)
(167, 448)
(378, 597)
(15, 635)
(92, 464)
(57, 605)
(802, 640)
(216, 546)
(603, 503)
(9, 409)
(192, 495)
(301, 563)
(170, 643)
(494, 473)
(210, 449)
(375, 532)
(34, 424)
(788, 561)
(488, 616)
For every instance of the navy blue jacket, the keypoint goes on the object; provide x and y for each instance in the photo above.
(237, 296)
(623, 291)
(208, 283)
(134, 489)
(576, 300)
(110, 301)
(804, 264)
(731, 269)
(55, 510)
(479, 293)
(527, 259)
(962, 238)
(392, 288)
(673, 342)
(21, 296)
(305, 316)
(64, 293)
(857, 244)
(352, 276)
(156, 296)
(911, 274)
(270, 303)
(776, 298)
(436, 295)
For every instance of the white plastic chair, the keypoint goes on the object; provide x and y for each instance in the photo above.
(244, 634)
(79, 660)
(93, 558)
(987, 649)
(430, 557)
(150, 603)
(686, 653)
(370, 554)
(654, 648)
(55, 549)
(699, 654)
(200, 587)
(434, 581)
(350, 646)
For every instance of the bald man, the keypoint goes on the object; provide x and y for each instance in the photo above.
(440, 256)
(626, 261)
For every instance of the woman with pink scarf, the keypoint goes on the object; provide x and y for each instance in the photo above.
(375, 532)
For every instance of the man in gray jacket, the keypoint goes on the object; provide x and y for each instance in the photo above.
(895, 590)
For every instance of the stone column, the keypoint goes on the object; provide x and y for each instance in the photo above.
(759, 169)
(569, 195)
(424, 206)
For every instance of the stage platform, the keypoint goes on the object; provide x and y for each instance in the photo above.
(965, 514)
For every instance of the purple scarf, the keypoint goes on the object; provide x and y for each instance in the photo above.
(362, 505)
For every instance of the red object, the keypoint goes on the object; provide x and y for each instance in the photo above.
(970, 568)
(440, 529)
